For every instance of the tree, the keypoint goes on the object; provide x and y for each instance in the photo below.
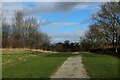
(23, 33)
(59, 47)
(5, 33)
(109, 19)
(105, 28)
(67, 45)
(17, 28)
(84, 44)
(45, 41)
(32, 35)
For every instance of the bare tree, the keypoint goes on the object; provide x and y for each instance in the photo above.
(24, 33)
(109, 19)
(17, 28)
(105, 28)
(5, 33)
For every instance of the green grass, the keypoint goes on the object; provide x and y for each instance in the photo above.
(25, 64)
(100, 66)
(29, 64)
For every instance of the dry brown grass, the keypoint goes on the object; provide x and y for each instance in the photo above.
(26, 49)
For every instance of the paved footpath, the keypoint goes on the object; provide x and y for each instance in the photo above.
(71, 68)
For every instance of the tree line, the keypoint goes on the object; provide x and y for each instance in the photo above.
(66, 46)
(23, 33)
(104, 31)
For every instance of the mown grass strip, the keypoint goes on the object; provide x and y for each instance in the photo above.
(100, 66)
(27, 65)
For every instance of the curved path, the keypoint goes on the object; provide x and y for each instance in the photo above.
(71, 68)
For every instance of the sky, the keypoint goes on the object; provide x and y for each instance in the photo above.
(60, 20)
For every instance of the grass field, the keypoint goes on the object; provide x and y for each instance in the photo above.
(100, 66)
(33, 64)
(25, 64)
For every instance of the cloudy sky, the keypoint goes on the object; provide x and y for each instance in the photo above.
(60, 20)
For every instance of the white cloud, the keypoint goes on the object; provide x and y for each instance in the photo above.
(42, 7)
(63, 7)
(44, 22)
(9, 8)
(59, 24)
(64, 24)
(72, 36)
(82, 6)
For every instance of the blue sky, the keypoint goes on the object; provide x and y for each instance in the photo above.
(60, 20)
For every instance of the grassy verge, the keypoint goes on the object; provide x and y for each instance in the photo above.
(25, 64)
(100, 66)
